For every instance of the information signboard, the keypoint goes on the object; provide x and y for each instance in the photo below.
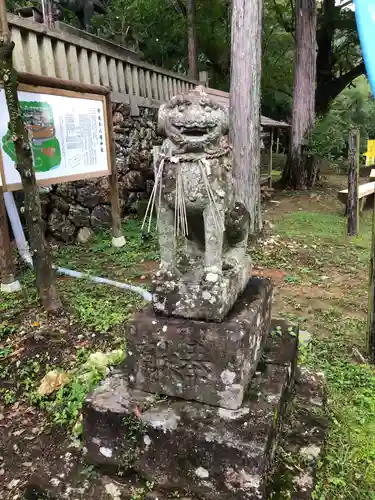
(371, 147)
(69, 136)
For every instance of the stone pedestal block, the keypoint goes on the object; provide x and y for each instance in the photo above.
(215, 453)
(209, 299)
(201, 361)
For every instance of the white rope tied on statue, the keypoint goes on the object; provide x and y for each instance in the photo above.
(215, 213)
(151, 202)
(180, 224)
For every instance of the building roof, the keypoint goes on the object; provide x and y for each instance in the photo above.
(223, 98)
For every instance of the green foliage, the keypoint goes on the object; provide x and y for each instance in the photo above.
(353, 109)
(13, 303)
(327, 229)
(134, 428)
(5, 351)
(277, 61)
(29, 373)
(158, 28)
(101, 257)
(141, 492)
(292, 279)
(12, 5)
(8, 396)
(98, 309)
(6, 329)
(65, 405)
(347, 471)
(101, 307)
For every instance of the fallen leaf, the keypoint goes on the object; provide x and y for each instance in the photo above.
(36, 323)
(52, 381)
(13, 484)
(84, 343)
(19, 432)
(137, 412)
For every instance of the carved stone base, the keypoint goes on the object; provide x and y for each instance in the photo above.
(214, 453)
(209, 299)
(201, 361)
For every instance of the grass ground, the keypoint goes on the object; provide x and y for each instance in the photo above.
(322, 280)
(321, 283)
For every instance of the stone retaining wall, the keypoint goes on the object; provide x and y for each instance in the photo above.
(67, 208)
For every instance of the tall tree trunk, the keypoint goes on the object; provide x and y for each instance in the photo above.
(324, 60)
(245, 103)
(299, 170)
(45, 276)
(192, 40)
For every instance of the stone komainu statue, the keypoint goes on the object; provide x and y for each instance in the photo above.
(84, 10)
(203, 230)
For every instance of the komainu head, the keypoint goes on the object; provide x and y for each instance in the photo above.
(193, 122)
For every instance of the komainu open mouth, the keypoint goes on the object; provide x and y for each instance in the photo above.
(193, 131)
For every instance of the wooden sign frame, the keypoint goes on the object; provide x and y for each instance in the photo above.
(58, 180)
(58, 86)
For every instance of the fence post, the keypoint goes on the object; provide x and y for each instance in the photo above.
(353, 177)
(118, 240)
(277, 140)
(270, 160)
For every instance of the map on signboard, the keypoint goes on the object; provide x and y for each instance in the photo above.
(68, 138)
(38, 119)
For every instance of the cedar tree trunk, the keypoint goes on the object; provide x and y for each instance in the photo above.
(245, 104)
(192, 39)
(45, 276)
(300, 171)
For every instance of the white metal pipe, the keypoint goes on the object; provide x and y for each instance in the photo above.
(23, 249)
(104, 281)
(17, 228)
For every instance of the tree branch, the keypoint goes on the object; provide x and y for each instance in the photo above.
(344, 80)
(345, 4)
(293, 9)
(266, 38)
(288, 27)
(274, 89)
(180, 7)
(326, 92)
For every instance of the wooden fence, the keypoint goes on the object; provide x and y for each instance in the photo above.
(70, 54)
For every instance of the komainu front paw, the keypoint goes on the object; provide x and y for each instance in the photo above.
(168, 270)
(212, 274)
(231, 263)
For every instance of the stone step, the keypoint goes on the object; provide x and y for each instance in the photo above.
(302, 439)
(181, 445)
(301, 446)
(214, 452)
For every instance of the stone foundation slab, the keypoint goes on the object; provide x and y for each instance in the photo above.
(216, 453)
(302, 440)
